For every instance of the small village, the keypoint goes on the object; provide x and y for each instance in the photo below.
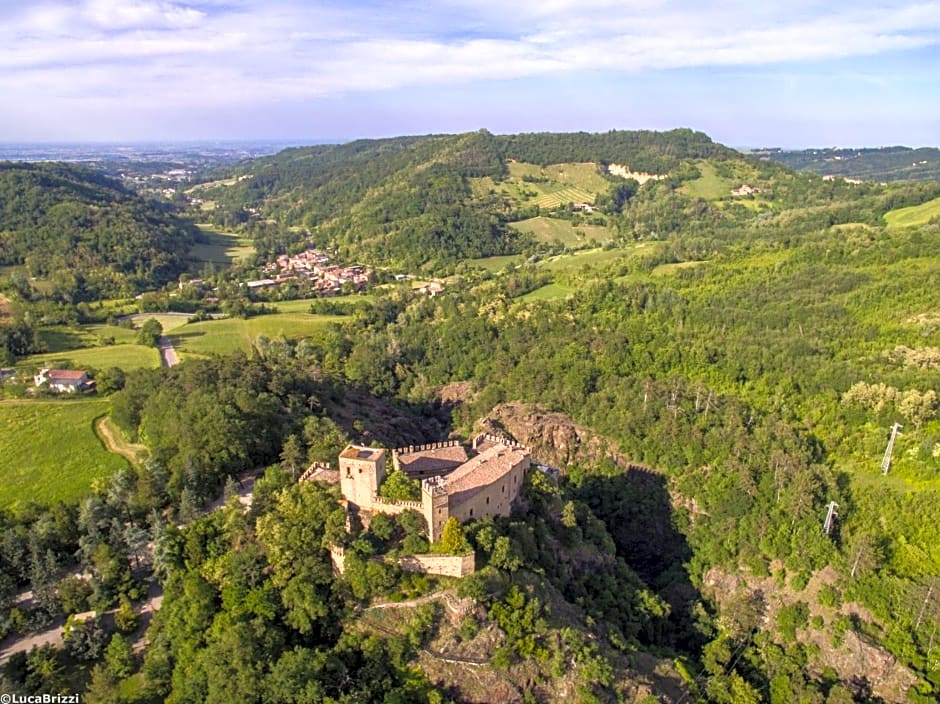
(312, 266)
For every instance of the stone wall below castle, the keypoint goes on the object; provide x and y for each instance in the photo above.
(446, 565)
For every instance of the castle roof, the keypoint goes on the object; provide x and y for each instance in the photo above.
(432, 460)
(360, 452)
(484, 469)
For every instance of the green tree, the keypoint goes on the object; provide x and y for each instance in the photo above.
(452, 537)
(292, 456)
(150, 333)
(119, 657)
(399, 487)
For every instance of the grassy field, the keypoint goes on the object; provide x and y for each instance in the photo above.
(50, 451)
(233, 334)
(913, 216)
(126, 356)
(580, 260)
(223, 248)
(549, 292)
(549, 230)
(303, 305)
(169, 321)
(709, 186)
(669, 269)
(499, 263)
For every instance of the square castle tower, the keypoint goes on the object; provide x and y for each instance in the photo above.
(485, 485)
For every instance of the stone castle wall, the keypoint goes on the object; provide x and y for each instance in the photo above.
(393, 508)
(446, 565)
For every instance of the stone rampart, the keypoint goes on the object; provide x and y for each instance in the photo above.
(447, 565)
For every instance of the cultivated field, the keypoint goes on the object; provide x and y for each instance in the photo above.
(913, 216)
(222, 248)
(549, 230)
(233, 334)
(551, 187)
(49, 449)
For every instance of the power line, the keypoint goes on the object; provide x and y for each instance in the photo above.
(886, 462)
(830, 517)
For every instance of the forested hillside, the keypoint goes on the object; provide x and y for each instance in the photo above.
(86, 233)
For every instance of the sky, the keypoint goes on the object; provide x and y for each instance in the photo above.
(793, 74)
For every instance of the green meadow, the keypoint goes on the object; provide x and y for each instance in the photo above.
(913, 216)
(230, 335)
(50, 451)
(223, 248)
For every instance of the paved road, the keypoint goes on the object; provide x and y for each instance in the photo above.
(167, 353)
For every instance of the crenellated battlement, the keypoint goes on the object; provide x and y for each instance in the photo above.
(435, 486)
(426, 447)
(498, 439)
(313, 469)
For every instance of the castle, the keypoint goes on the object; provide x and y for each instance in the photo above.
(454, 482)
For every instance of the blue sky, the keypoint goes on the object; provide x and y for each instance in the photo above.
(800, 73)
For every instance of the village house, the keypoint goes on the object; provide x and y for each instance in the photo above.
(64, 380)
(6, 374)
(744, 190)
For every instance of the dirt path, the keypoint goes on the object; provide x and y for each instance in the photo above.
(115, 442)
(167, 353)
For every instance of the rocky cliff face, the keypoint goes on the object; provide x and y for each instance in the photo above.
(553, 438)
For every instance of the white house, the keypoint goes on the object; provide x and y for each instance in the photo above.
(63, 380)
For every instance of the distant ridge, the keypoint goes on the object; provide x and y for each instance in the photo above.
(867, 164)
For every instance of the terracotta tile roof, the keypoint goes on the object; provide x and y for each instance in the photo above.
(484, 469)
(439, 459)
(61, 375)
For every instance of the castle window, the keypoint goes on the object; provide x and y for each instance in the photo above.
(438, 512)
(360, 470)
(487, 500)
(503, 488)
(471, 513)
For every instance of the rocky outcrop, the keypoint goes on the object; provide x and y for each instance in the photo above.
(553, 438)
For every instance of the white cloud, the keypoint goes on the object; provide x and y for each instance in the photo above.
(113, 54)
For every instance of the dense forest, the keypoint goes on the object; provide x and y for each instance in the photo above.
(85, 233)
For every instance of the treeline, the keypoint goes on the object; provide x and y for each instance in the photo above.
(653, 152)
(86, 231)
